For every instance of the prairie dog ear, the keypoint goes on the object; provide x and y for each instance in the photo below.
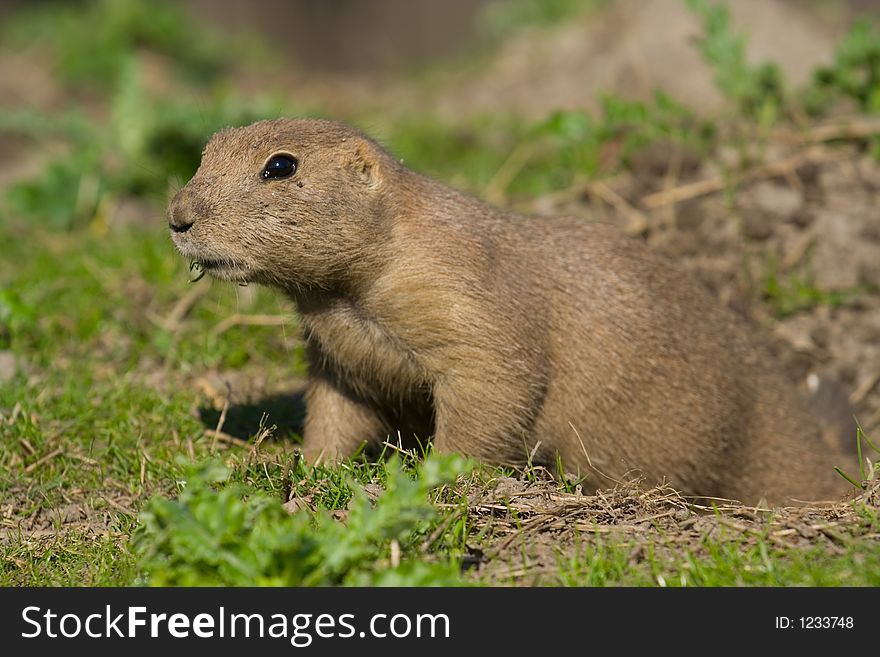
(364, 160)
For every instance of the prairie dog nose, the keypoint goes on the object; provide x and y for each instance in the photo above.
(180, 214)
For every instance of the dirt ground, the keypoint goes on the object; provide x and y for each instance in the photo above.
(533, 525)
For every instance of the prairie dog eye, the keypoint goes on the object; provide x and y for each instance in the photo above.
(279, 166)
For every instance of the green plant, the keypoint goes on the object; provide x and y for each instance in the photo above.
(573, 145)
(866, 474)
(216, 537)
(758, 91)
(794, 291)
(854, 75)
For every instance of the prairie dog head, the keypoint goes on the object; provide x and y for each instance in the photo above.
(288, 202)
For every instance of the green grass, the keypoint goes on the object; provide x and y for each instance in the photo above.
(104, 298)
(77, 559)
(719, 562)
(795, 291)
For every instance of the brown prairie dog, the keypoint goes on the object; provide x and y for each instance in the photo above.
(431, 314)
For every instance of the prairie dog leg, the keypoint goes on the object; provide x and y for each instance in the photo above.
(337, 424)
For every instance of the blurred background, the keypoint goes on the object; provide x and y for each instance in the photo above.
(740, 138)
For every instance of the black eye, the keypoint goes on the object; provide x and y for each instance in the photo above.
(279, 166)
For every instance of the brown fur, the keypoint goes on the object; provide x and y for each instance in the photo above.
(428, 312)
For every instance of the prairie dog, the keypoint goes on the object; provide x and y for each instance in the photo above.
(431, 314)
